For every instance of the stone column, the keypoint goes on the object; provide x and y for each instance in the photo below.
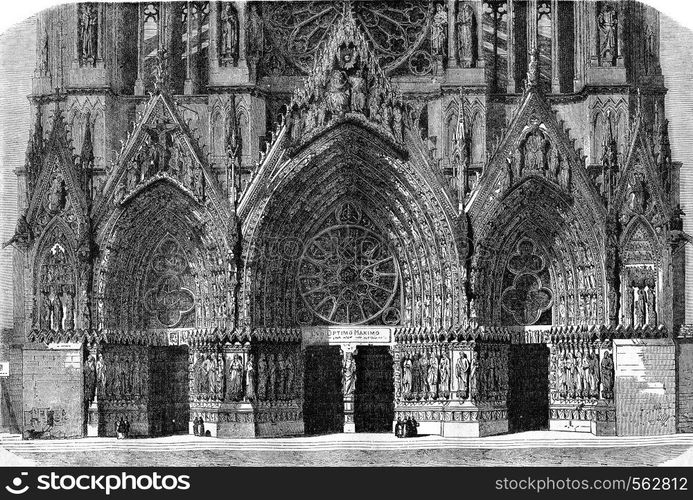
(349, 352)
(555, 78)
(188, 86)
(139, 83)
(452, 37)
(579, 56)
(480, 61)
(531, 25)
(241, 7)
(511, 47)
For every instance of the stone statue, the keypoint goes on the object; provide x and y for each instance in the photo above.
(87, 32)
(465, 36)
(22, 232)
(593, 369)
(262, 377)
(608, 22)
(444, 381)
(89, 379)
(561, 379)
(639, 307)
(439, 34)
(234, 387)
(406, 376)
(69, 309)
(229, 34)
(584, 374)
(56, 195)
(415, 374)
(256, 34)
(358, 92)
(433, 376)
(337, 92)
(564, 173)
(198, 373)
(250, 379)
(56, 311)
(101, 374)
(349, 374)
(473, 375)
(397, 124)
(607, 375)
(290, 377)
(651, 307)
(296, 125)
(271, 377)
(462, 375)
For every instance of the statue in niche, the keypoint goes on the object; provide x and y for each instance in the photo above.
(473, 375)
(349, 374)
(569, 378)
(229, 34)
(465, 36)
(281, 375)
(406, 376)
(433, 376)
(584, 373)
(444, 382)
(607, 375)
(639, 307)
(87, 32)
(561, 380)
(423, 373)
(89, 379)
(562, 313)
(271, 376)
(638, 194)
(337, 94)
(374, 105)
(44, 56)
(608, 22)
(137, 376)
(250, 379)
(262, 377)
(358, 92)
(234, 387)
(290, 377)
(56, 195)
(651, 308)
(68, 308)
(296, 125)
(415, 374)
(439, 34)
(593, 371)
(554, 169)
(101, 374)
(207, 366)
(198, 373)
(256, 34)
(56, 311)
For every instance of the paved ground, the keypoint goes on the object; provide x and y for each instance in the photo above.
(531, 448)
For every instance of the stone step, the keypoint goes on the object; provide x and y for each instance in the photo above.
(6, 436)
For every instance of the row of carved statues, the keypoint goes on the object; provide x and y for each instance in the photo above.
(430, 374)
(347, 92)
(640, 306)
(276, 376)
(124, 375)
(579, 372)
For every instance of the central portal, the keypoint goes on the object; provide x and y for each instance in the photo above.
(528, 400)
(374, 408)
(323, 405)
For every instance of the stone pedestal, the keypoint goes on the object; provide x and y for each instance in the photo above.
(349, 425)
(235, 420)
(470, 420)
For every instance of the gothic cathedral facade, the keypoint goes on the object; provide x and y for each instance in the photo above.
(285, 218)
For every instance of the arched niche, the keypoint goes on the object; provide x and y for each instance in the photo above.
(56, 284)
(640, 274)
(163, 264)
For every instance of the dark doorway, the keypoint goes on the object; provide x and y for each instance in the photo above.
(323, 402)
(169, 406)
(374, 408)
(528, 401)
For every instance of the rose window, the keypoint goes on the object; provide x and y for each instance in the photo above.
(347, 275)
(394, 30)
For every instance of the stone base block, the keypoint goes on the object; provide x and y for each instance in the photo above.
(467, 76)
(234, 430)
(603, 428)
(279, 429)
